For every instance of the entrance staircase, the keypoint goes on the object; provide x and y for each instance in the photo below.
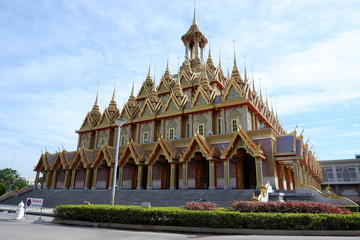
(157, 198)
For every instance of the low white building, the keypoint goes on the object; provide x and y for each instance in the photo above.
(343, 176)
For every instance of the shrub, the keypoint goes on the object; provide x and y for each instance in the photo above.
(207, 206)
(287, 207)
(212, 219)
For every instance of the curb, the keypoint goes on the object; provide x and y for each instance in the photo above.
(211, 230)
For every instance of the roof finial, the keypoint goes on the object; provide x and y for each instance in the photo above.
(253, 80)
(234, 53)
(227, 61)
(154, 75)
(194, 18)
(220, 58)
(149, 66)
(260, 89)
(113, 96)
(97, 94)
(245, 76)
(132, 89)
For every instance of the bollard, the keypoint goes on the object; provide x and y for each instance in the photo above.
(20, 211)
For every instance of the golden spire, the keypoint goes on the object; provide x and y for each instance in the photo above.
(245, 76)
(220, 58)
(167, 74)
(204, 81)
(132, 89)
(112, 105)
(253, 80)
(194, 18)
(132, 99)
(178, 89)
(148, 80)
(95, 109)
(261, 98)
(210, 62)
(235, 72)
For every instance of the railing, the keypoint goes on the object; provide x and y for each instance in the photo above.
(328, 193)
(16, 193)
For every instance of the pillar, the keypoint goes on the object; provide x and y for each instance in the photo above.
(297, 173)
(226, 163)
(66, 180)
(185, 175)
(53, 180)
(259, 172)
(87, 178)
(111, 177)
(72, 182)
(212, 174)
(36, 179)
(48, 179)
(120, 177)
(93, 185)
(139, 177)
(150, 177)
(172, 176)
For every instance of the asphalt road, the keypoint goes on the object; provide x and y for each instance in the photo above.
(28, 230)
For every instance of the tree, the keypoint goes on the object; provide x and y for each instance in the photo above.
(2, 189)
(9, 176)
(19, 184)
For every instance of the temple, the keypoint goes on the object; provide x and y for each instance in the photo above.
(197, 128)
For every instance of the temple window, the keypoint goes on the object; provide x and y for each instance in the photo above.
(187, 130)
(84, 144)
(102, 142)
(171, 133)
(201, 129)
(146, 137)
(234, 124)
(122, 140)
(218, 125)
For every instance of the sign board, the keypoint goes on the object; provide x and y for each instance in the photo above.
(34, 202)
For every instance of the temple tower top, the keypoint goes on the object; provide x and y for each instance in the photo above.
(194, 42)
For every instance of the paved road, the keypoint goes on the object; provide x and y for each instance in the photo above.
(28, 230)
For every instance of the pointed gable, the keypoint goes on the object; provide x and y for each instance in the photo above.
(42, 164)
(197, 143)
(233, 91)
(165, 148)
(242, 140)
(132, 150)
(106, 153)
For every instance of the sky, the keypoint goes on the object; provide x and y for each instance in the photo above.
(56, 55)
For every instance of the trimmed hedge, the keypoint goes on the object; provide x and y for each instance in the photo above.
(287, 207)
(353, 208)
(172, 216)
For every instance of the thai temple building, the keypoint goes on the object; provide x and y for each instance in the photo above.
(198, 128)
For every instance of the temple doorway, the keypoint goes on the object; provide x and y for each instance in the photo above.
(130, 172)
(102, 178)
(161, 173)
(242, 170)
(198, 172)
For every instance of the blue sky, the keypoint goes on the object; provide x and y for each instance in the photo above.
(55, 54)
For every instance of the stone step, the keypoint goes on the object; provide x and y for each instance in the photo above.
(159, 198)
